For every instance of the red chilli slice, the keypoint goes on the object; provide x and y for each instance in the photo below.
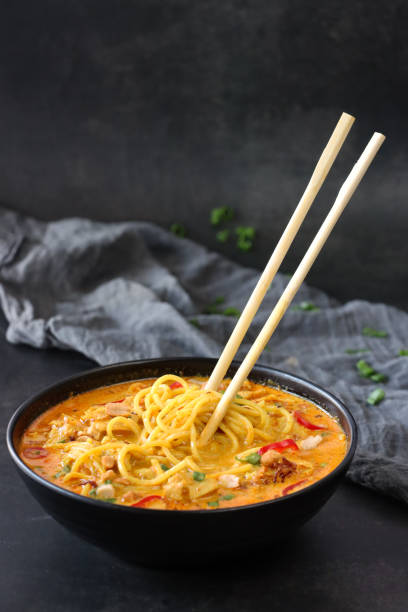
(303, 421)
(145, 500)
(175, 385)
(288, 489)
(279, 446)
(35, 452)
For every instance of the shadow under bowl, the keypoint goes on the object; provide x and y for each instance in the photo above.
(178, 537)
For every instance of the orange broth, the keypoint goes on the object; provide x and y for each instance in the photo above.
(282, 472)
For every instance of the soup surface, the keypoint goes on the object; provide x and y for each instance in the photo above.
(137, 444)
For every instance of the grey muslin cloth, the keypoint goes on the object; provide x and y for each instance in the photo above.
(121, 291)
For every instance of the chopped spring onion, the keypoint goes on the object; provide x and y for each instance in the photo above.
(365, 369)
(231, 312)
(374, 333)
(164, 467)
(368, 371)
(178, 230)
(214, 504)
(356, 351)
(253, 459)
(199, 476)
(223, 235)
(376, 397)
(377, 377)
(246, 237)
(223, 213)
(306, 306)
(227, 497)
(403, 353)
(195, 323)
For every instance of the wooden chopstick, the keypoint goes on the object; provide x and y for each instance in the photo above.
(343, 197)
(319, 174)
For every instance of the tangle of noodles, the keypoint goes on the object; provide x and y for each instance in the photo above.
(151, 437)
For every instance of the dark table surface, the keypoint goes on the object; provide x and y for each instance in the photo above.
(352, 556)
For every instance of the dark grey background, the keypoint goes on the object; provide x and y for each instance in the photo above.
(162, 110)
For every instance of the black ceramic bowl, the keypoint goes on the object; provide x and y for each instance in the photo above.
(178, 537)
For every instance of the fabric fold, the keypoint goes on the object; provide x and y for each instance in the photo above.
(122, 291)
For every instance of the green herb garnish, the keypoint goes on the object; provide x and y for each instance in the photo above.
(231, 312)
(364, 369)
(223, 213)
(306, 306)
(108, 481)
(246, 237)
(356, 351)
(195, 323)
(227, 497)
(199, 476)
(62, 442)
(66, 468)
(214, 308)
(323, 464)
(253, 459)
(178, 230)
(374, 333)
(223, 235)
(214, 504)
(92, 492)
(376, 397)
(164, 467)
(110, 500)
(377, 377)
(403, 353)
(368, 371)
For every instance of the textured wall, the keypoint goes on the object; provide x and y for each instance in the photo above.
(161, 110)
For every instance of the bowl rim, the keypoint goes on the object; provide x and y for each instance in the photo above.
(76, 497)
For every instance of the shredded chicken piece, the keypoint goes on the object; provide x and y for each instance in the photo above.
(84, 439)
(122, 481)
(106, 491)
(270, 457)
(94, 432)
(117, 409)
(174, 488)
(310, 442)
(108, 461)
(129, 496)
(229, 481)
(108, 475)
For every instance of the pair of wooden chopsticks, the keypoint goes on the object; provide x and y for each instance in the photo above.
(348, 188)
